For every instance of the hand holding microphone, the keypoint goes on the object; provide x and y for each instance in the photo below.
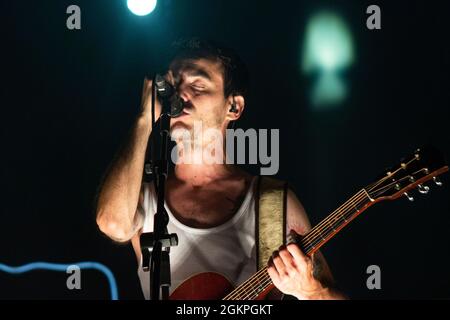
(146, 102)
(165, 93)
(172, 103)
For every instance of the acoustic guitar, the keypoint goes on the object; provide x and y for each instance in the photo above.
(425, 164)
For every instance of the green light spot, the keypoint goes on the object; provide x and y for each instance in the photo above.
(327, 51)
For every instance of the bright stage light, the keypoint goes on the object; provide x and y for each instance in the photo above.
(141, 7)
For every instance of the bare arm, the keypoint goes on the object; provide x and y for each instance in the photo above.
(119, 195)
(312, 276)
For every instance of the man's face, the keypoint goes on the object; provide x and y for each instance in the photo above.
(200, 84)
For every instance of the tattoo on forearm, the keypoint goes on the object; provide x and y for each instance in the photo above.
(317, 268)
(321, 271)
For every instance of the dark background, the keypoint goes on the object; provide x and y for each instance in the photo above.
(68, 99)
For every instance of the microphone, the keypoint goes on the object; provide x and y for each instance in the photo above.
(165, 91)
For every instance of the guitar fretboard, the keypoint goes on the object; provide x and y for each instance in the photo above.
(309, 243)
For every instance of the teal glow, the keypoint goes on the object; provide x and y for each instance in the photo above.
(327, 51)
(63, 267)
(328, 90)
(141, 7)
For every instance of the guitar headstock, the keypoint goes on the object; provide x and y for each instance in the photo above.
(425, 164)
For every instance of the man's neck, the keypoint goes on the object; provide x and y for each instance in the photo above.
(203, 174)
(199, 171)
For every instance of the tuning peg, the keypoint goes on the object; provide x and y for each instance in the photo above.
(423, 189)
(437, 181)
(408, 196)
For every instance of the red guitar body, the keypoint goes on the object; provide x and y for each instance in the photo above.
(205, 286)
(425, 164)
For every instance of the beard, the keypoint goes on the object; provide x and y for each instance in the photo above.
(180, 125)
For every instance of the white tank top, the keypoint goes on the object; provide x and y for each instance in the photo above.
(228, 249)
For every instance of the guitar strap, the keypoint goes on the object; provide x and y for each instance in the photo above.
(270, 218)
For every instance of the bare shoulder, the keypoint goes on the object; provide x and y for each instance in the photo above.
(296, 217)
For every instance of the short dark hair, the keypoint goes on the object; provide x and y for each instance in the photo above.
(235, 73)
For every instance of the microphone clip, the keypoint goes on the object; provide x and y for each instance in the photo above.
(171, 102)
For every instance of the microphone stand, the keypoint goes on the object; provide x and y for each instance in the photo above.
(159, 241)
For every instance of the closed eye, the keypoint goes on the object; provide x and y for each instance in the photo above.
(198, 89)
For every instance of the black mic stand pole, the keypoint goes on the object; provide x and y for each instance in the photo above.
(159, 239)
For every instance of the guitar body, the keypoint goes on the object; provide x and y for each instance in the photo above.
(425, 164)
(206, 286)
(203, 286)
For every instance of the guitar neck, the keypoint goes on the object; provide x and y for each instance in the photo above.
(336, 221)
(424, 164)
(260, 283)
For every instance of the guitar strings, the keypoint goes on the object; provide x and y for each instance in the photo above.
(261, 278)
(335, 221)
(370, 189)
(311, 236)
(234, 295)
(250, 281)
(243, 287)
(383, 189)
(358, 197)
(322, 237)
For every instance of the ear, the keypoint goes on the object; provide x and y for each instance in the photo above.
(239, 103)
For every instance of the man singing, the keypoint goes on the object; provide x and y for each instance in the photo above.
(212, 205)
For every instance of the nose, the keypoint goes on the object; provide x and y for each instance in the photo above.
(183, 92)
(185, 96)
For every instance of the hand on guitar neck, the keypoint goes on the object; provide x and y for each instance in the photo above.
(295, 269)
(294, 273)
